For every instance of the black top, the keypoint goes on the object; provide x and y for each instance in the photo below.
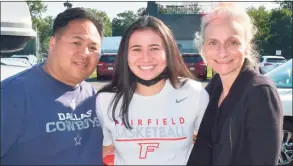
(231, 134)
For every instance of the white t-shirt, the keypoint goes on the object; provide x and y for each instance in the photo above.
(163, 125)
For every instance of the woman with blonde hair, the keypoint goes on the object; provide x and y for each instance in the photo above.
(243, 121)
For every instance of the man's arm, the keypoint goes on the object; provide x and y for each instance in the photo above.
(12, 115)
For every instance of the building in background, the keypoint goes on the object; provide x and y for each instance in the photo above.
(183, 24)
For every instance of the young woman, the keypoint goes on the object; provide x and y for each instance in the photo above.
(243, 121)
(152, 108)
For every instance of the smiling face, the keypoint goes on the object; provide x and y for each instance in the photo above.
(224, 46)
(74, 52)
(146, 54)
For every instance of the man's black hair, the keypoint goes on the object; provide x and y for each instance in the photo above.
(71, 14)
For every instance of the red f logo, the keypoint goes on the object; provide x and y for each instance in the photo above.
(145, 148)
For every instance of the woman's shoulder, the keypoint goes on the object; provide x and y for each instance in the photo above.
(259, 80)
(105, 97)
(255, 86)
(190, 84)
(260, 85)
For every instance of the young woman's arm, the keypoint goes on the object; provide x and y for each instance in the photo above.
(108, 148)
(108, 155)
(203, 103)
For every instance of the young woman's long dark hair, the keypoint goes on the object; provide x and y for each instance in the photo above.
(123, 83)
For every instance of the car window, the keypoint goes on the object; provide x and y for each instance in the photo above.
(276, 60)
(282, 75)
(192, 59)
(108, 58)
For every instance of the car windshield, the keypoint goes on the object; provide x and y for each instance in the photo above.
(192, 59)
(107, 58)
(282, 75)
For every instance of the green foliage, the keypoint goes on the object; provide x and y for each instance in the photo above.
(37, 8)
(274, 30)
(260, 17)
(285, 4)
(125, 19)
(106, 19)
(44, 25)
(141, 12)
(281, 31)
(44, 28)
(274, 26)
(182, 8)
(122, 22)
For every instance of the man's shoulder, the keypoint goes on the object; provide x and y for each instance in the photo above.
(260, 84)
(105, 96)
(88, 88)
(19, 80)
(261, 80)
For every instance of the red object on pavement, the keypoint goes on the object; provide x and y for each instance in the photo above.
(109, 159)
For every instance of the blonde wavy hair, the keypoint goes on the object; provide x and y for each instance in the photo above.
(231, 11)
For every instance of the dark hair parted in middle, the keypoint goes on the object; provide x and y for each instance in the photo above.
(123, 82)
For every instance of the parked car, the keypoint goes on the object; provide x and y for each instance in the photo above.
(105, 66)
(195, 64)
(282, 77)
(268, 63)
(31, 58)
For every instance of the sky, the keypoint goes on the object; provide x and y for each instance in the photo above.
(112, 8)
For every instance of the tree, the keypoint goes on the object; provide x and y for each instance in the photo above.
(281, 31)
(44, 29)
(285, 4)
(37, 8)
(141, 12)
(106, 19)
(181, 8)
(274, 30)
(260, 17)
(122, 22)
(191, 7)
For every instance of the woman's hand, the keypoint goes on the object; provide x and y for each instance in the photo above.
(108, 155)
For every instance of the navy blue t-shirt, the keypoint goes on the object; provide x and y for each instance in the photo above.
(46, 122)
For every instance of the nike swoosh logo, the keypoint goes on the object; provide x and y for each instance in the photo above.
(178, 101)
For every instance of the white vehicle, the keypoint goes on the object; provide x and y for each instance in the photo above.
(12, 66)
(282, 77)
(30, 58)
(268, 63)
(16, 31)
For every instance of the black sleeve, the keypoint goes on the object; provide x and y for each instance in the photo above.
(12, 113)
(211, 84)
(264, 122)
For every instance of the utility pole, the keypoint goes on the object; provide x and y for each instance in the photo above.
(67, 4)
